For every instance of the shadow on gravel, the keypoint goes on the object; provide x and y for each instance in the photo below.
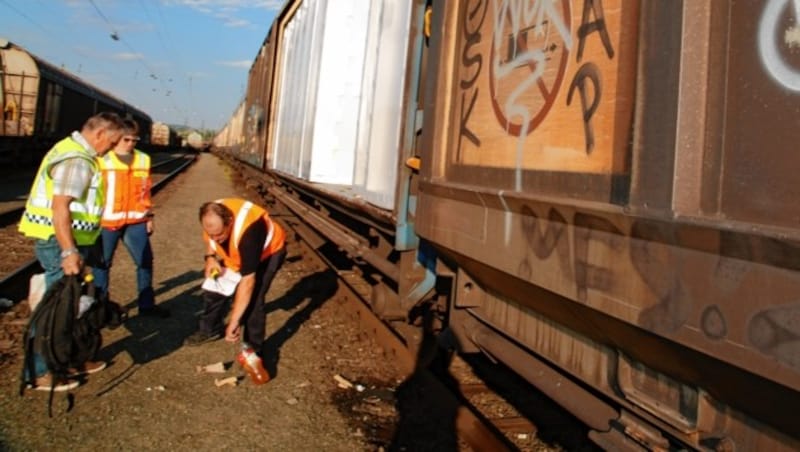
(152, 338)
(177, 281)
(427, 416)
(313, 290)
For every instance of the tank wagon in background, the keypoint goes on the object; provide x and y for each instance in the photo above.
(42, 104)
(164, 136)
(599, 195)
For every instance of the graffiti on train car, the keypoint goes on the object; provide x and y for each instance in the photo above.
(671, 266)
(780, 24)
(254, 128)
(526, 103)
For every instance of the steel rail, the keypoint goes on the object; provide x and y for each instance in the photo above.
(471, 426)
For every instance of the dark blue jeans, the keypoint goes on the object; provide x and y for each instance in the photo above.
(136, 240)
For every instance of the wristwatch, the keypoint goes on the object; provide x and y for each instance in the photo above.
(68, 251)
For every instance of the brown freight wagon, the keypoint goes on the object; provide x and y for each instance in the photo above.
(616, 184)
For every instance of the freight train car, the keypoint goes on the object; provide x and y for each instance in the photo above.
(229, 139)
(254, 125)
(163, 135)
(598, 194)
(42, 104)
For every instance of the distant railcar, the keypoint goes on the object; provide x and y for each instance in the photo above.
(601, 195)
(195, 140)
(164, 135)
(230, 138)
(42, 103)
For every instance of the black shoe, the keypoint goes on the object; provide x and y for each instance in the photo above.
(200, 338)
(155, 311)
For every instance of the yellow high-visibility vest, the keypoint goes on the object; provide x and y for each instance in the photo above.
(85, 212)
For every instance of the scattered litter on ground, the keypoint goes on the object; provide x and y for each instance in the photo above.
(342, 382)
(216, 368)
(230, 381)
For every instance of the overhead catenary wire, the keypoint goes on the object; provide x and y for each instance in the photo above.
(58, 43)
(103, 16)
(152, 73)
(185, 74)
(25, 16)
(169, 51)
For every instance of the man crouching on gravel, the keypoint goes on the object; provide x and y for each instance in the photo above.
(244, 250)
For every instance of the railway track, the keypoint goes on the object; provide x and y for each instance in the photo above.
(20, 263)
(482, 417)
(479, 431)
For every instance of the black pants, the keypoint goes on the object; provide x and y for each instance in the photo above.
(254, 318)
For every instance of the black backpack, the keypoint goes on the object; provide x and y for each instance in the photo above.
(57, 334)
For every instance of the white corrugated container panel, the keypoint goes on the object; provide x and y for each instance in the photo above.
(340, 97)
(320, 91)
(339, 94)
(382, 112)
(300, 50)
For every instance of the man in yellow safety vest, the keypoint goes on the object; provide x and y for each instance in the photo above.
(63, 213)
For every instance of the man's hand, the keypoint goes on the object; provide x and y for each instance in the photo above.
(233, 332)
(150, 226)
(212, 268)
(72, 264)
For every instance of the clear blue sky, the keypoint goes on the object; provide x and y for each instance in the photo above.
(180, 61)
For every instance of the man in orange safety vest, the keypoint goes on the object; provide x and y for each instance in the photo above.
(244, 250)
(128, 216)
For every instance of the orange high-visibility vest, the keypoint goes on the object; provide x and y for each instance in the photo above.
(127, 189)
(245, 213)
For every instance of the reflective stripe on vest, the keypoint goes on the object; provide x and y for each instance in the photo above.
(37, 221)
(245, 214)
(127, 189)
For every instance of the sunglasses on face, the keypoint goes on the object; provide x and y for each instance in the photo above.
(129, 140)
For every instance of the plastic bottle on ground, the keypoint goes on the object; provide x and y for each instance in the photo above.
(252, 364)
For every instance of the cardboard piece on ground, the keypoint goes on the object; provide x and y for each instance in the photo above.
(216, 368)
(230, 381)
(342, 382)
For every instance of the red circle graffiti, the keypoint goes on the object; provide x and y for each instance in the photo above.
(555, 78)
